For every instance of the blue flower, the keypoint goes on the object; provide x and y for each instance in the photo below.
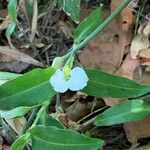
(77, 80)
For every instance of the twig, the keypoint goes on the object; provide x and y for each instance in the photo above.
(90, 121)
(81, 127)
(91, 114)
(30, 120)
(32, 46)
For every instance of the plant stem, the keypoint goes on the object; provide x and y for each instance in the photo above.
(36, 112)
(75, 49)
(30, 120)
(42, 109)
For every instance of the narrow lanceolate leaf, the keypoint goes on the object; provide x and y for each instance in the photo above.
(88, 25)
(10, 30)
(6, 76)
(60, 3)
(20, 143)
(16, 112)
(28, 90)
(61, 139)
(28, 5)
(102, 84)
(131, 110)
(12, 9)
(72, 8)
(47, 120)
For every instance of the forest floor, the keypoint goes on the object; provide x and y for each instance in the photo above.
(121, 55)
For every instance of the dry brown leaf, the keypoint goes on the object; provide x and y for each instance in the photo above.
(14, 66)
(128, 67)
(140, 129)
(144, 28)
(139, 43)
(79, 109)
(137, 130)
(65, 29)
(145, 59)
(67, 122)
(146, 64)
(1, 143)
(17, 55)
(147, 69)
(145, 53)
(5, 24)
(6, 147)
(126, 70)
(16, 124)
(39, 45)
(106, 50)
(125, 18)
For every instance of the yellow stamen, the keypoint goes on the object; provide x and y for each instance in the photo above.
(66, 71)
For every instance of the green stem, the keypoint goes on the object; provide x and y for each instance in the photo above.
(26, 135)
(74, 49)
(42, 109)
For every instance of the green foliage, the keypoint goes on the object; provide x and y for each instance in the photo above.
(61, 139)
(10, 30)
(72, 8)
(132, 110)
(29, 9)
(16, 112)
(28, 90)
(88, 25)
(47, 120)
(102, 84)
(22, 93)
(12, 9)
(20, 143)
(6, 76)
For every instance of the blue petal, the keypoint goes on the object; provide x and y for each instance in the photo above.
(58, 81)
(78, 79)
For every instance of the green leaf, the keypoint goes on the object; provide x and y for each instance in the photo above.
(131, 110)
(28, 90)
(47, 120)
(12, 9)
(6, 76)
(58, 62)
(61, 139)
(10, 29)
(20, 143)
(88, 25)
(102, 84)
(29, 9)
(72, 8)
(16, 112)
(60, 3)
